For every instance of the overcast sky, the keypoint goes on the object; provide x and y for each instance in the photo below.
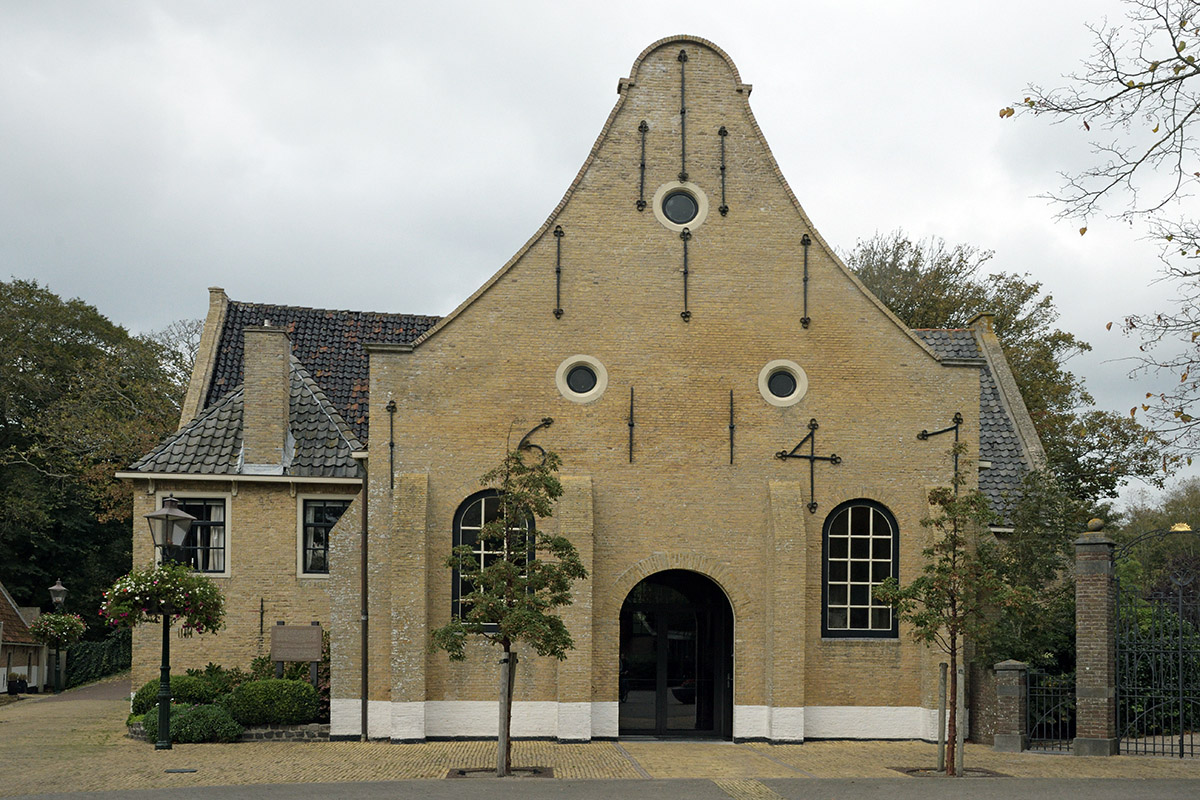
(390, 156)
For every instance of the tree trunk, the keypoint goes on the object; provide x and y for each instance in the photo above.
(952, 728)
(508, 668)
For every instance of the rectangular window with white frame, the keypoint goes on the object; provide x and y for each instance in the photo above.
(317, 518)
(206, 547)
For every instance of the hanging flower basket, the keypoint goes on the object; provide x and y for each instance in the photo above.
(144, 595)
(57, 630)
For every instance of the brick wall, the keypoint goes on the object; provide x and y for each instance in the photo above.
(487, 375)
(262, 572)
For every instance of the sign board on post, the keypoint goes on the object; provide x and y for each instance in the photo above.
(296, 643)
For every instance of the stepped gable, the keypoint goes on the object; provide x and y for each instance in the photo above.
(999, 443)
(330, 344)
(212, 443)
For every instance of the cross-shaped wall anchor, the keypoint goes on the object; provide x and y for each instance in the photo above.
(812, 458)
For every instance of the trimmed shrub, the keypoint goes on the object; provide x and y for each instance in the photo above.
(194, 724)
(205, 724)
(273, 702)
(223, 681)
(91, 661)
(150, 721)
(185, 690)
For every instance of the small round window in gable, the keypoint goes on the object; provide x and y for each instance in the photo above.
(581, 379)
(782, 383)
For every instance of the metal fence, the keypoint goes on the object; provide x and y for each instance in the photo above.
(1158, 671)
(1051, 711)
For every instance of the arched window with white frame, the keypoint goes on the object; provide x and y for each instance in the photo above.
(860, 550)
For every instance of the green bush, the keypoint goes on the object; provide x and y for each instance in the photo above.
(194, 724)
(273, 702)
(205, 724)
(185, 690)
(150, 721)
(222, 680)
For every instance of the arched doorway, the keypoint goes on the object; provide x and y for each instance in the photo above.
(676, 658)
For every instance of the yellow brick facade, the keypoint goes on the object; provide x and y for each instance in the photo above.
(682, 327)
(262, 581)
(486, 374)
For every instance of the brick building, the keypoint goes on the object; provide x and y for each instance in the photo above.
(683, 324)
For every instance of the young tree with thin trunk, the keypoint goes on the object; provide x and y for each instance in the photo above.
(510, 597)
(949, 602)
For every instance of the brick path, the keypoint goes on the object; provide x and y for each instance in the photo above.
(76, 742)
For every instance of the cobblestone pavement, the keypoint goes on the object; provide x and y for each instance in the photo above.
(77, 742)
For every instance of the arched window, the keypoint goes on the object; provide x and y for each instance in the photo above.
(475, 512)
(860, 541)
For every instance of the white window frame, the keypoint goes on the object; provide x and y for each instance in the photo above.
(301, 499)
(850, 560)
(227, 498)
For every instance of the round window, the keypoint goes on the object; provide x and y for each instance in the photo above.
(581, 379)
(680, 207)
(781, 383)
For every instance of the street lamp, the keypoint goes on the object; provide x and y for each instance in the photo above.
(58, 595)
(169, 528)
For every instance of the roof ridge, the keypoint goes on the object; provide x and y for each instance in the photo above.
(331, 310)
(946, 330)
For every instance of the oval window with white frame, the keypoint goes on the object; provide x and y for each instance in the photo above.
(679, 204)
(581, 379)
(782, 383)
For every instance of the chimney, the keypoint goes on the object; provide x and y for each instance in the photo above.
(267, 370)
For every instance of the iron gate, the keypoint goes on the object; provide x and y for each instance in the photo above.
(1050, 711)
(1158, 662)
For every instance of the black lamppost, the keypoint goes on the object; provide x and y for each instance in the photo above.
(58, 595)
(169, 527)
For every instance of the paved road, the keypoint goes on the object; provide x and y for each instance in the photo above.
(75, 744)
(779, 789)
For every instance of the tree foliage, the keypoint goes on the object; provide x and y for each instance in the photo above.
(930, 284)
(79, 399)
(1035, 561)
(1151, 564)
(512, 599)
(1138, 95)
(949, 602)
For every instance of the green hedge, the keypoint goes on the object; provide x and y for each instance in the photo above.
(185, 690)
(194, 724)
(273, 702)
(91, 661)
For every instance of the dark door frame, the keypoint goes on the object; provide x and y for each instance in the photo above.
(713, 622)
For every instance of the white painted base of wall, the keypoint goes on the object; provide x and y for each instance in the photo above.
(345, 718)
(451, 719)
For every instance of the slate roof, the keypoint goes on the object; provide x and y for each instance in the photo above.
(999, 443)
(15, 629)
(330, 344)
(212, 443)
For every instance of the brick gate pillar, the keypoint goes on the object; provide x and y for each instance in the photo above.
(1012, 708)
(1095, 644)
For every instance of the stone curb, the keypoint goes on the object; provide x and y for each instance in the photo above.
(312, 732)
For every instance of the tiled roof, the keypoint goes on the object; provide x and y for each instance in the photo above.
(999, 443)
(15, 629)
(950, 342)
(212, 443)
(328, 343)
